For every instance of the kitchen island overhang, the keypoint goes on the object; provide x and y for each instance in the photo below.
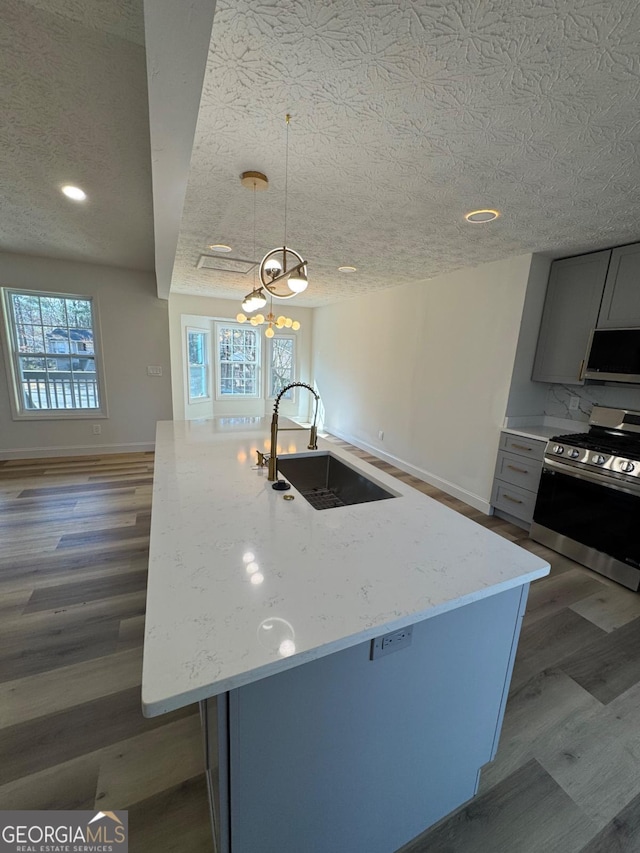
(245, 587)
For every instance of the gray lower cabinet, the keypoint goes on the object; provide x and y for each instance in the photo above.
(345, 753)
(621, 300)
(570, 314)
(517, 477)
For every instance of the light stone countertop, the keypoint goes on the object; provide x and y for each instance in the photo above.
(538, 433)
(243, 584)
(546, 428)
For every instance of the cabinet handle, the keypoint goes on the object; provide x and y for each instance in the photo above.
(519, 470)
(521, 447)
(509, 498)
(581, 371)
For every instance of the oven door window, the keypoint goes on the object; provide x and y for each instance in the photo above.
(595, 515)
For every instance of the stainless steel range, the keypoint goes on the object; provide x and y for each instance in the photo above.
(588, 505)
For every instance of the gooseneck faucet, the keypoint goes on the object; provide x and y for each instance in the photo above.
(313, 435)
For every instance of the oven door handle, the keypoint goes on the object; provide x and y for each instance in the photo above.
(607, 482)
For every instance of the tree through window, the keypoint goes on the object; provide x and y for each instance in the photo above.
(282, 365)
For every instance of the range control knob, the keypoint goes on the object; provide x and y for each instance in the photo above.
(558, 449)
(573, 453)
(627, 466)
(598, 459)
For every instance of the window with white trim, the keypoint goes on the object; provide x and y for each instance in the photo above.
(198, 365)
(52, 341)
(282, 365)
(238, 362)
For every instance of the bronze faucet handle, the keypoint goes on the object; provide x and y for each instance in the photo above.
(262, 462)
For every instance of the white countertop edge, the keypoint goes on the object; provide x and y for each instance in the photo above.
(153, 708)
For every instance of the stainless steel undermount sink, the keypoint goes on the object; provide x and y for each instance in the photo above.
(326, 482)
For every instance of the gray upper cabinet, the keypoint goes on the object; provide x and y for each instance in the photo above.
(621, 300)
(570, 313)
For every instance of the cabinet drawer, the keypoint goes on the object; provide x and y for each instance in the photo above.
(522, 446)
(518, 470)
(514, 500)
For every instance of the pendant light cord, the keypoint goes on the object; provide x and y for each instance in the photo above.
(255, 272)
(286, 177)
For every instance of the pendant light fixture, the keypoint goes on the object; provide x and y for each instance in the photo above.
(257, 299)
(283, 272)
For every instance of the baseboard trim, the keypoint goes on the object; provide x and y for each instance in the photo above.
(433, 479)
(76, 450)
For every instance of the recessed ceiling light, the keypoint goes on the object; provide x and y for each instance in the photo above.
(219, 247)
(347, 269)
(74, 193)
(482, 215)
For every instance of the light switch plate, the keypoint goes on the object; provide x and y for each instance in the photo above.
(154, 370)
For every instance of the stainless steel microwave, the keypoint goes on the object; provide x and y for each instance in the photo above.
(614, 356)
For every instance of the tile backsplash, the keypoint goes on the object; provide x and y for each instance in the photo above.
(616, 396)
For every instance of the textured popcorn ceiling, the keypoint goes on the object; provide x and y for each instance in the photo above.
(405, 116)
(74, 110)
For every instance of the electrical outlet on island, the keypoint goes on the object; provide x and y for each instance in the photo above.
(574, 402)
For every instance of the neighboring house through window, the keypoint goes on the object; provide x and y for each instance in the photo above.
(52, 341)
(240, 356)
(238, 362)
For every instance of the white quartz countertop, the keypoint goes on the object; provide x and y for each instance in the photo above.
(243, 584)
(538, 433)
(544, 428)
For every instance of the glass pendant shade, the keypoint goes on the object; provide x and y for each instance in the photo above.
(297, 282)
(273, 267)
(259, 300)
(256, 299)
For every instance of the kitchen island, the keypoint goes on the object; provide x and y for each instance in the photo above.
(268, 612)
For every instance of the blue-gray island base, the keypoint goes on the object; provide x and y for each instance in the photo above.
(356, 755)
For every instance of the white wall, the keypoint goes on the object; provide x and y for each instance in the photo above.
(429, 364)
(135, 333)
(200, 311)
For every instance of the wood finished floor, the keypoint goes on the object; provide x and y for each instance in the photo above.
(73, 561)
